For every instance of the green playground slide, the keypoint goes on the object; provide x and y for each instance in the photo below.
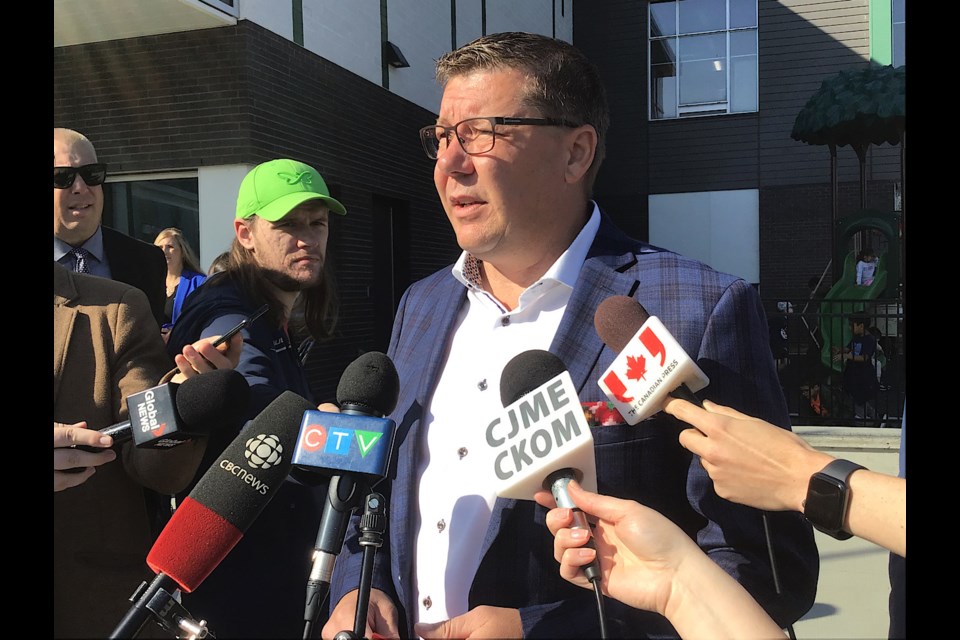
(843, 299)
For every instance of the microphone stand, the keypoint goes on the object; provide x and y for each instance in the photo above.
(158, 601)
(373, 524)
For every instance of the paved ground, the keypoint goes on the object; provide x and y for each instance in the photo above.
(854, 588)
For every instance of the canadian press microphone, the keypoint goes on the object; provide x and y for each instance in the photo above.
(542, 440)
(220, 508)
(674, 373)
(352, 448)
(650, 365)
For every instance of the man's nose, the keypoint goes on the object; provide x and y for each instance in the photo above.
(79, 186)
(453, 159)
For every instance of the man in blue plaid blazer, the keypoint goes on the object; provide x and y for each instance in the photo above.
(518, 142)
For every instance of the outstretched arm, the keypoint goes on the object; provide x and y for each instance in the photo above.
(650, 563)
(755, 463)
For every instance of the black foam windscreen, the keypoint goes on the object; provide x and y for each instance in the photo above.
(617, 319)
(371, 381)
(230, 495)
(243, 478)
(526, 371)
(212, 401)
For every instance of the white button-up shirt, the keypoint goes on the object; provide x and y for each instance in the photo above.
(456, 494)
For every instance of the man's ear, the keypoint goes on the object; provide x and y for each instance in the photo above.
(581, 149)
(242, 227)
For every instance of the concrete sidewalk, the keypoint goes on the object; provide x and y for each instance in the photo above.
(854, 587)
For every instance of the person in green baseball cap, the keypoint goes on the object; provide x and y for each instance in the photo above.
(277, 259)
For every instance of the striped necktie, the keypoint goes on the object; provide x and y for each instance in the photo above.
(81, 256)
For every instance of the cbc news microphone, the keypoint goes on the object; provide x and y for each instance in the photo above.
(650, 364)
(352, 448)
(219, 509)
(542, 441)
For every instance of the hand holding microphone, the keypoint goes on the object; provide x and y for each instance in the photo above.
(651, 564)
(169, 414)
(160, 418)
(542, 441)
(77, 451)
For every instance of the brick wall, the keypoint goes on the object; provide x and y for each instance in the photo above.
(242, 94)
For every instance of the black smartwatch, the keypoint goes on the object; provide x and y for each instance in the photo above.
(828, 497)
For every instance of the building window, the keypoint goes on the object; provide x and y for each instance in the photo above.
(703, 57)
(899, 32)
(143, 206)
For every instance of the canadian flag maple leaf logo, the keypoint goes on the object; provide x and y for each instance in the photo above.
(636, 367)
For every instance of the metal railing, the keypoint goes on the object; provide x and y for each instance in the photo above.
(806, 344)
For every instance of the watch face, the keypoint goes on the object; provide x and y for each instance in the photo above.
(824, 505)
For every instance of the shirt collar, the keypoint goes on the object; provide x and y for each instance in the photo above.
(565, 270)
(93, 244)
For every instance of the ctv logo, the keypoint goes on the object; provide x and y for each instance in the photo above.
(336, 440)
(636, 363)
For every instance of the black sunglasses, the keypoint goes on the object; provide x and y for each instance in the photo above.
(92, 174)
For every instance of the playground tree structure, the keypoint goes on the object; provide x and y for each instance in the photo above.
(859, 106)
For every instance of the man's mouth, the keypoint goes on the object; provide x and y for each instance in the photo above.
(465, 202)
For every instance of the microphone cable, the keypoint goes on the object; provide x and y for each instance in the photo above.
(773, 568)
(601, 606)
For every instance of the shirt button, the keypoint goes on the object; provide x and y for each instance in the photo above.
(462, 452)
(504, 321)
(482, 385)
(427, 602)
(441, 525)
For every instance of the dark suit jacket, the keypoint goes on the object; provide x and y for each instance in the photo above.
(719, 321)
(139, 264)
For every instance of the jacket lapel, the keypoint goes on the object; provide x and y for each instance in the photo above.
(64, 291)
(431, 322)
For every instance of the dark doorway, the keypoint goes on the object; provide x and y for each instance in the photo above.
(391, 264)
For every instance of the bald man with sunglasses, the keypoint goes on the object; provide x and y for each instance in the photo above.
(80, 242)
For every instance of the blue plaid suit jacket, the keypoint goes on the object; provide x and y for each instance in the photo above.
(718, 319)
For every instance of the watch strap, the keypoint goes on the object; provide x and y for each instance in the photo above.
(840, 471)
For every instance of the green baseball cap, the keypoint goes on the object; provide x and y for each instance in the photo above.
(272, 189)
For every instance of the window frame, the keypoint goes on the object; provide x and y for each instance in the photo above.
(123, 217)
(703, 108)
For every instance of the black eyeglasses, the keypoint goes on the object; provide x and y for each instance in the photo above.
(92, 174)
(477, 135)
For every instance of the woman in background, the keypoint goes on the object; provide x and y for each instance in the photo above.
(183, 273)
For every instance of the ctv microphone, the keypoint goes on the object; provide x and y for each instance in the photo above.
(650, 364)
(218, 511)
(353, 449)
(543, 440)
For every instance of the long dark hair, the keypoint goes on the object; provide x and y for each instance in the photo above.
(316, 308)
